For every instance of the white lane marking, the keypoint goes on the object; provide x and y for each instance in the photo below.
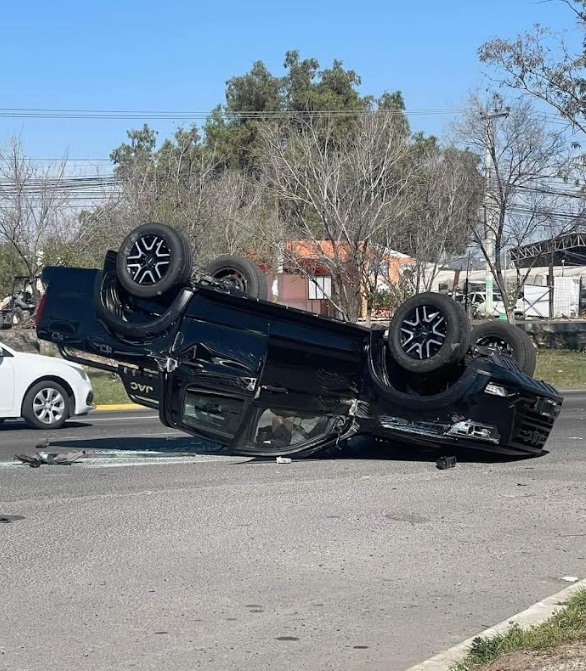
(88, 418)
(126, 436)
(119, 462)
(134, 459)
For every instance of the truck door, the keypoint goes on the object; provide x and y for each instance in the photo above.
(215, 375)
(308, 389)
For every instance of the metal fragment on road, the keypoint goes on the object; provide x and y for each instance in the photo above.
(7, 519)
(50, 458)
(284, 460)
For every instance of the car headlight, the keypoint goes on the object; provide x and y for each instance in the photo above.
(496, 390)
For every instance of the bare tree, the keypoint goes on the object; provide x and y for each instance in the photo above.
(540, 63)
(446, 193)
(170, 188)
(343, 196)
(524, 157)
(220, 211)
(236, 215)
(34, 204)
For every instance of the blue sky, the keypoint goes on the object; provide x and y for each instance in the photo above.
(177, 55)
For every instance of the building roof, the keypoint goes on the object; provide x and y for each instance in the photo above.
(568, 249)
(318, 249)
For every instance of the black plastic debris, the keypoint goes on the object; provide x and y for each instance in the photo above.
(32, 461)
(50, 458)
(7, 519)
(445, 462)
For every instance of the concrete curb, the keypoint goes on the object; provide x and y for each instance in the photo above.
(120, 406)
(536, 614)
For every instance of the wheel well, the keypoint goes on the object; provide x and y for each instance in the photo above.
(51, 378)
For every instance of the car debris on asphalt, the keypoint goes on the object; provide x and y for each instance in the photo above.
(8, 519)
(50, 458)
(445, 462)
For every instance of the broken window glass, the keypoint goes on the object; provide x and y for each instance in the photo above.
(280, 428)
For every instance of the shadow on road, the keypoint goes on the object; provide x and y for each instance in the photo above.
(19, 425)
(172, 445)
(366, 448)
(358, 448)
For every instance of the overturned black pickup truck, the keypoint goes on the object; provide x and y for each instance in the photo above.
(219, 361)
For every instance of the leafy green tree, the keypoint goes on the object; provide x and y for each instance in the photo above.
(138, 153)
(232, 131)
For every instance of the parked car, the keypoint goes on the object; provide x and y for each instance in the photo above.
(44, 390)
(479, 309)
(222, 363)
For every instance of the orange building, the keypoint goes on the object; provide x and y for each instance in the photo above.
(306, 281)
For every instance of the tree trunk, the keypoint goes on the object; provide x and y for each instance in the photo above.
(368, 315)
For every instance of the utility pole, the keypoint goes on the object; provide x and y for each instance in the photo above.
(489, 233)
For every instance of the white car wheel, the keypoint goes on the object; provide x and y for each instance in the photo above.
(46, 405)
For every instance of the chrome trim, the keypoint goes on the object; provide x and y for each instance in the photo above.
(470, 429)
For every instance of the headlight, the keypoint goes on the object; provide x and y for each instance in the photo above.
(496, 390)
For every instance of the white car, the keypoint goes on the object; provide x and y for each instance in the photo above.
(477, 299)
(44, 390)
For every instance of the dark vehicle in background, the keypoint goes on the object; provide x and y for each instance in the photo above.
(219, 361)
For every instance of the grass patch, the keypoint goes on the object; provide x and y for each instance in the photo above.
(108, 389)
(564, 368)
(567, 626)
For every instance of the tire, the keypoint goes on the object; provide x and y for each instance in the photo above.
(51, 417)
(241, 274)
(153, 259)
(504, 337)
(427, 332)
(110, 311)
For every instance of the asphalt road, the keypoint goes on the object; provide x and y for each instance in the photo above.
(229, 563)
(131, 430)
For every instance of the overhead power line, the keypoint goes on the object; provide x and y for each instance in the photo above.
(42, 113)
(89, 182)
(187, 115)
